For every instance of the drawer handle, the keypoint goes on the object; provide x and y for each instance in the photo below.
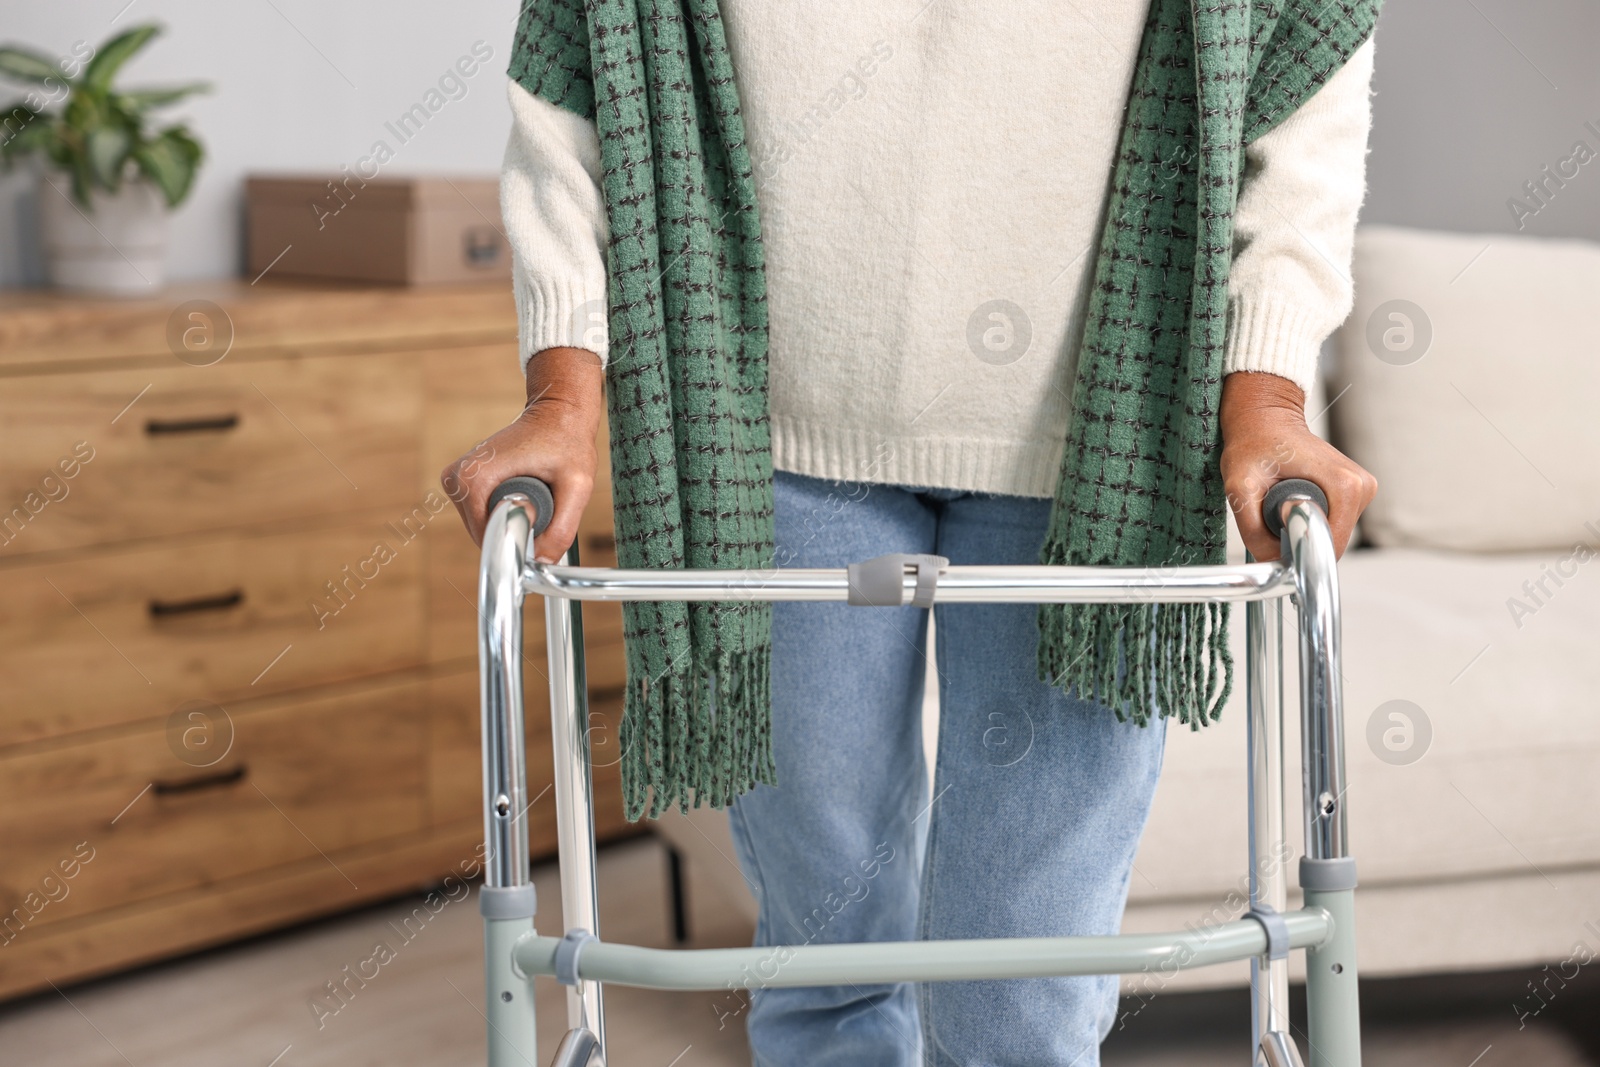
(482, 246)
(601, 542)
(208, 424)
(160, 609)
(174, 787)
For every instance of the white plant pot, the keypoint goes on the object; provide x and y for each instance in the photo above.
(118, 245)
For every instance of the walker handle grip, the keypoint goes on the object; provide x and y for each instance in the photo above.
(1272, 503)
(538, 494)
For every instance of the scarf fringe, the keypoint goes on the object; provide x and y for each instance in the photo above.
(1169, 659)
(697, 736)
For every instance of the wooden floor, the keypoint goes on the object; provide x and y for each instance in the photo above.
(250, 1005)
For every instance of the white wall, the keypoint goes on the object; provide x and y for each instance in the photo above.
(299, 85)
(1473, 100)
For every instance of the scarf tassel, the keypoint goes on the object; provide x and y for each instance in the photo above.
(697, 736)
(1140, 660)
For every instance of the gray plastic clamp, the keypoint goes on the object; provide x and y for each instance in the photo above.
(567, 950)
(1328, 875)
(508, 902)
(880, 582)
(1277, 929)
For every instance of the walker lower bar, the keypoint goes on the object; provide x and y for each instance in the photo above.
(1324, 927)
(918, 961)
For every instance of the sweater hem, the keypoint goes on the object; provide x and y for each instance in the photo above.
(842, 453)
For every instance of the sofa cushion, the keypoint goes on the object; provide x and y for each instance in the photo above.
(1468, 382)
(1470, 736)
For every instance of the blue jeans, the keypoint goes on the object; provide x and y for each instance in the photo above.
(1038, 803)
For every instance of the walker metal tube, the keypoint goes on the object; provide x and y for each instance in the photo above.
(1333, 1001)
(505, 799)
(919, 961)
(508, 996)
(574, 793)
(1269, 852)
(1333, 1009)
(511, 1037)
(1324, 925)
(1316, 580)
(985, 585)
(579, 1048)
(1279, 1050)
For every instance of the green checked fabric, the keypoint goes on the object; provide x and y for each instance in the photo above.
(691, 456)
(1140, 483)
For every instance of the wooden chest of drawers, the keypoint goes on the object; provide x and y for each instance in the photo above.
(238, 677)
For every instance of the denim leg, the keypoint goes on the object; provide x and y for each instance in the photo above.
(833, 851)
(1039, 803)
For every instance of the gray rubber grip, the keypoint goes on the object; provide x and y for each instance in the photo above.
(1272, 505)
(538, 493)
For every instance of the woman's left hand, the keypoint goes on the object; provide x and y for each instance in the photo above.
(1265, 440)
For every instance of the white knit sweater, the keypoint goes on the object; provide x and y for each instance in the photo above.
(932, 180)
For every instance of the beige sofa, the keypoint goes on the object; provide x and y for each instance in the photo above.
(1476, 812)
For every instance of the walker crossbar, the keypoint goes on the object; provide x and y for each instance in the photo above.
(1324, 927)
(956, 585)
(920, 961)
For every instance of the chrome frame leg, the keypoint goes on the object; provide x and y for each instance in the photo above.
(1269, 852)
(579, 1048)
(1321, 695)
(1278, 1050)
(569, 724)
(508, 995)
(1333, 1020)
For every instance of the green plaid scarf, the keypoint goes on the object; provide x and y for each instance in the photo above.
(687, 381)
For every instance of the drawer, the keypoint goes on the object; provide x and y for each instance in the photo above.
(182, 449)
(455, 760)
(470, 395)
(116, 637)
(138, 822)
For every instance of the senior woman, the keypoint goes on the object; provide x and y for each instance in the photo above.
(1005, 283)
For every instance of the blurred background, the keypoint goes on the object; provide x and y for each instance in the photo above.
(239, 812)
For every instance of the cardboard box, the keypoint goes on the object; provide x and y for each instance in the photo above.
(405, 231)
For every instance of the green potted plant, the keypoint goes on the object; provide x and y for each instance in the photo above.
(107, 177)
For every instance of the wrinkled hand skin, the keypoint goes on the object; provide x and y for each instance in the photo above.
(1264, 441)
(553, 440)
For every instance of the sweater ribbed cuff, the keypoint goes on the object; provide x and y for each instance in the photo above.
(1274, 337)
(556, 314)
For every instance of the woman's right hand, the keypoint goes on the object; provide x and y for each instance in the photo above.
(553, 440)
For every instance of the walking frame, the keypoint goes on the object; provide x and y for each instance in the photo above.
(1324, 926)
